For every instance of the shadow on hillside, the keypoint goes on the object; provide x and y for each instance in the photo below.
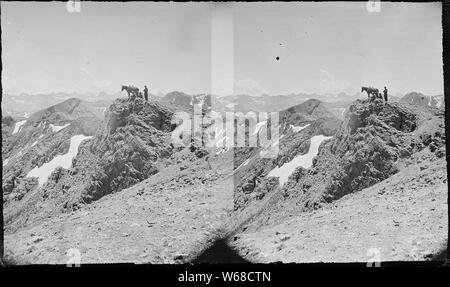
(219, 252)
(440, 256)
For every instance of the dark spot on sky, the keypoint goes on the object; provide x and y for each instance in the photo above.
(278, 58)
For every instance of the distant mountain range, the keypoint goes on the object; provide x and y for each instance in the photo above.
(22, 105)
(263, 103)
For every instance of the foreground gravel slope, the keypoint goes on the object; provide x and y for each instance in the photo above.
(404, 217)
(164, 219)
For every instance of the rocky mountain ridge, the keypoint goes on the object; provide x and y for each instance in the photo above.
(131, 173)
(374, 142)
(123, 151)
(44, 136)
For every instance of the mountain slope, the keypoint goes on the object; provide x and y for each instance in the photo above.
(374, 142)
(177, 98)
(122, 152)
(163, 219)
(310, 110)
(298, 125)
(421, 100)
(400, 219)
(23, 105)
(41, 138)
(131, 195)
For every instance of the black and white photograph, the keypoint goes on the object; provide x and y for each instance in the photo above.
(208, 133)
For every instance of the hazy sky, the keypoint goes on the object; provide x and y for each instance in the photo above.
(221, 48)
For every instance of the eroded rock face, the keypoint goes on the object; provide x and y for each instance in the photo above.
(40, 138)
(252, 182)
(371, 139)
(132, 138)
(364, 151)
(8, 121)
(366, 148)
(124, 150)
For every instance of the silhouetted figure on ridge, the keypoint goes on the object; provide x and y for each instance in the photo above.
(146, 93)
(385, 93)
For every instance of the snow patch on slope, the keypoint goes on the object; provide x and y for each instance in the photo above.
(283, 172)
(56, 128)
(64, 161)
(18, 125)
(242, 164)
(298, 128)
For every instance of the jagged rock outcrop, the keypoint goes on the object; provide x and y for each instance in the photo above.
(297, 126)
(365, 150)
(133, 137)
(36, 140)
(372, 143)
(123, 151)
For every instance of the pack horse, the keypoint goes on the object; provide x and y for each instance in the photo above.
(132, 91)
(372, 93)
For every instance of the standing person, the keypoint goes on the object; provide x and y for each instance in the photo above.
(146, 93)
(385, 93)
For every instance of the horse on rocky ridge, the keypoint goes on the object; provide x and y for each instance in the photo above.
(132, 91)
